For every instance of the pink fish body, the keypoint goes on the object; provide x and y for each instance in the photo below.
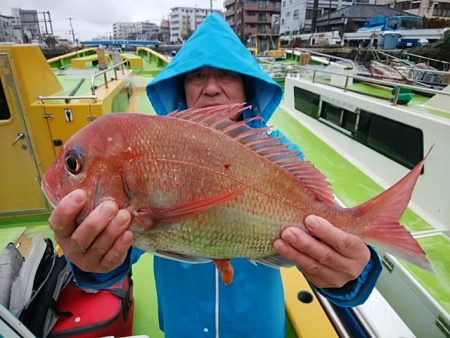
(215, 188)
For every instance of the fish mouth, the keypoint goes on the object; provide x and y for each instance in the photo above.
(52, 200)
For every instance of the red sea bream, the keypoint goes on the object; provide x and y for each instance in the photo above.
(215, 188)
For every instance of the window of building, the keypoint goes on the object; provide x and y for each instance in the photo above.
(263, 4)
(309, 14)
(284, 3)
(5, 114)
(295, 16)
(415, 5)
(442, 9)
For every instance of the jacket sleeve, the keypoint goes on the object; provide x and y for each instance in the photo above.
(357, 291)
(92, 280)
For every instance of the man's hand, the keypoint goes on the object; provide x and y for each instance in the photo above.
(101, 242)
(329, 257)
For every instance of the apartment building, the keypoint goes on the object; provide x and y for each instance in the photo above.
(143, 30)
(253, 17)
(28, 22)
(185, 20)
(426, 8)
(297, 15)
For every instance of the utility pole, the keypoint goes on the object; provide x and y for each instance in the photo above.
(71, 29)
(314, 18)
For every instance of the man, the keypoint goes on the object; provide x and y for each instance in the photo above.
(215, 68)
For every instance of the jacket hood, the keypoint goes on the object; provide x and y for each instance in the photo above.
(214, 44)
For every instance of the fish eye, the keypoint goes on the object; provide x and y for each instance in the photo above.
(73, 163)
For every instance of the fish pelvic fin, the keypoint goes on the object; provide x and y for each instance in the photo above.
(384, 212)
(226, 269)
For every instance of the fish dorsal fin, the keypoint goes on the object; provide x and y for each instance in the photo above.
(222, 118)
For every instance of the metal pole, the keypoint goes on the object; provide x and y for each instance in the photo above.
(314, 18)
(50, 21)
(45, 23)
(71, 28)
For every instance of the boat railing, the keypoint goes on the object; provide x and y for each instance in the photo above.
(413, 67)
(395, 85)
(67, 98)
(445, 64)
(328, 56)
(105, 78)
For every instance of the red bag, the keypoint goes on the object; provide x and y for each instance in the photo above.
(108, 312)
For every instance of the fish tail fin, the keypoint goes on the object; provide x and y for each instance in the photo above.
(384, 212)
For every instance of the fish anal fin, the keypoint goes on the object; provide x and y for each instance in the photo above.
(226, 269)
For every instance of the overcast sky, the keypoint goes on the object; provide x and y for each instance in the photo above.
(91, 18)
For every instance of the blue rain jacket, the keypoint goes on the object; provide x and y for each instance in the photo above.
(192, 299)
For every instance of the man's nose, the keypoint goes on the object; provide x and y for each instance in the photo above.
(212, 86)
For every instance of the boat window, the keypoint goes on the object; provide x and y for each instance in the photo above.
(4, 109)
(398, 141)
(331, 113)
(339, 116)
(306, 102)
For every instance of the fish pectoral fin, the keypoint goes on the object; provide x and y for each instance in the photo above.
(226, 269)
(181, 257)
(275, 261)
(188, 209)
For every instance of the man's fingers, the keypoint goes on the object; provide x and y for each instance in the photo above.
(110, 234)
(311, 247)
(343, 242)
(118, 252)
(320, 275)
(62, 219)
(86, 233)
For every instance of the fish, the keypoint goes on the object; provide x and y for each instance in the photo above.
(201, 185)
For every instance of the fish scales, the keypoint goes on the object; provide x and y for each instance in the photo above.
(199, 184)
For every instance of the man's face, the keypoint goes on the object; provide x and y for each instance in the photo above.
(210, 86)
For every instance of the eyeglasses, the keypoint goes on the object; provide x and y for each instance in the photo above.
(201, 76)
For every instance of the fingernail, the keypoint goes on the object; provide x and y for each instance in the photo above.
(312, 223)
(78, 196)
(289, 236)
(122, 217)
(126, 237)
(280, 246)
(108, 207)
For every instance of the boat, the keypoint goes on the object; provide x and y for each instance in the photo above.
(43, 102)
(357, 131)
